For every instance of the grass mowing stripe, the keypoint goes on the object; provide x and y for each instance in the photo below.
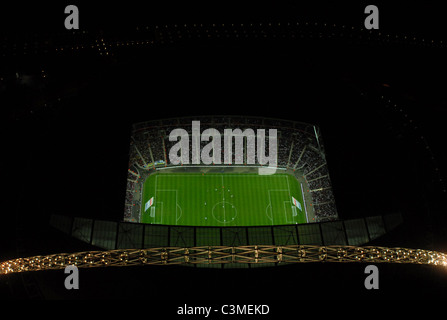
(245, 199)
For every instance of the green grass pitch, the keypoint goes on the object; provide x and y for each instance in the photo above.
(226, 199)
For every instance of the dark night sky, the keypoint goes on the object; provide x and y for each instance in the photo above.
(336, 83)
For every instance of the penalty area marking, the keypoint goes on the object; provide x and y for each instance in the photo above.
(153, 215)
(285, 211)
(270, 203)
(177, 206)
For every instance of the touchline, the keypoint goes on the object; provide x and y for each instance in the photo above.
(253, 149)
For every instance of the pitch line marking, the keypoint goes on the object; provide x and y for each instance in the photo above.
(223, 196)
(304, 200)
(285, 210)
(270, 202)
(269, 216)
(224, 222)
(155, 195)
(177, 217)
(161, 214)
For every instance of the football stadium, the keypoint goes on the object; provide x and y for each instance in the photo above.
(223, 212)
(228, 194)
(319, 152)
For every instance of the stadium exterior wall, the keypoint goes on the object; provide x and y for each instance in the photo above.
(111, 235)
